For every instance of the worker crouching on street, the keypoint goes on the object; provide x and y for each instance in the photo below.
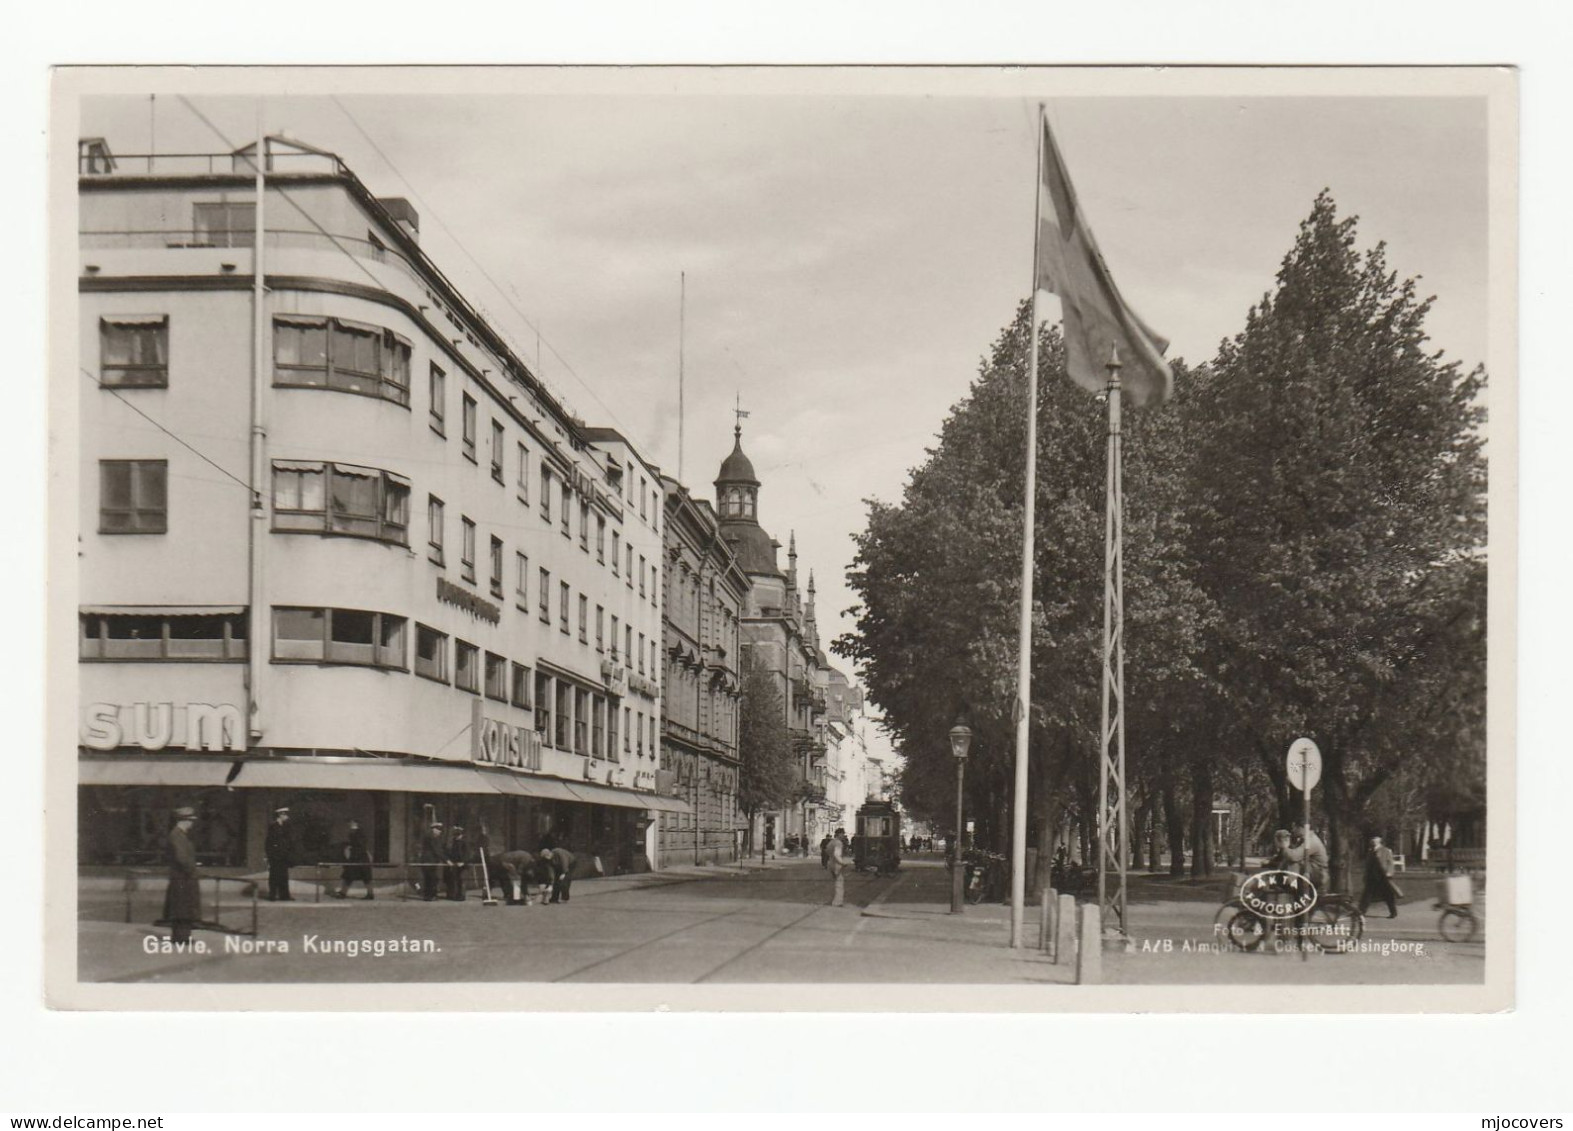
(561, 862)
(514, 872)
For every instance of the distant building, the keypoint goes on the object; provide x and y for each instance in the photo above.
(705, 597)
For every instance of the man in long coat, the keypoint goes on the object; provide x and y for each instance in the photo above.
(357, 861)
(838, 865)
(458, 857)
(433, 861)
(183, 898)
(1379, 879)
(280, 850)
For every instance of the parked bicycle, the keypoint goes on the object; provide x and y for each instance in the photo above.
(1458, 922)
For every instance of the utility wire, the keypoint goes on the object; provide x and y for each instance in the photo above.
(426, 205)
(88, 374)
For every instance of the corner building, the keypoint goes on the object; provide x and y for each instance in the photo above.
(342, 551)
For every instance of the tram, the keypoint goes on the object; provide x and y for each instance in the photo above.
(877, 845)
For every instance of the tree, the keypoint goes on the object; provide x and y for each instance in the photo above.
(768, 765)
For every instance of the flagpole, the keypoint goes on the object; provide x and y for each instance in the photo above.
(1022, 711)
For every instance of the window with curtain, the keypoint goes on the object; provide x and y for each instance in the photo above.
(134, 352)
(133, 496)
(319, 352)
(335, 498)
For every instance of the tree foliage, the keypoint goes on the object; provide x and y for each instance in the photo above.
(1304, 540)
(767, 772)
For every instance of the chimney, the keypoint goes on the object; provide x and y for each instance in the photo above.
(404, 215)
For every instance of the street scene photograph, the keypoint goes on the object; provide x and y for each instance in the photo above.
(979, 530)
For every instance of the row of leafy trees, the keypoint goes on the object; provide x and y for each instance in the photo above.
(1305, 532)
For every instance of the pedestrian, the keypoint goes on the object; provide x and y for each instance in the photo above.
(433, 860)
(458, 856)
(561, 861)
(279, 848)
(824, 851)
(357, 861)
(183, 898)
(1379, 879)
(837, 863)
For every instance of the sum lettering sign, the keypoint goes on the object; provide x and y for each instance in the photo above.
(159, 726)
(496, 743)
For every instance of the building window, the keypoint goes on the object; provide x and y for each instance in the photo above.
(611, 732)
(543, 706)
(524, 475)
(434, 528)
(655, 669)
(469, 427)
(312, 352)
(520, 688)
(628, 574)
(467, 550)
(431, 653)
(133, 496)
(466, 667)
(496, 677)
(614, 638)
(497, 448)
(598, 726)
(339, 636)
(641, 576)
(639, 733)
(521, 594)
(438, 385)
(581, 722)
(544, 598)
(584, 619)
(655, 584)
(496, 578)
(584, 527)
(644, 500)
(616, 548)
(641, 653)
(628, 644)
(134, 352)
(563, 517)
(337, 498)
(546, 493)
(600, 539)
(600, 629)
(224, 225)
(564, 707)
(562, 607)
(137, 635)
(628, 729)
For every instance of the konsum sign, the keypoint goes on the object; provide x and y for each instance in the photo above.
(163, 726)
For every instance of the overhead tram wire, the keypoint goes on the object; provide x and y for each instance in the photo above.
(194, 451)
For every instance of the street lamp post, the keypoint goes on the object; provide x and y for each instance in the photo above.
(960, 740)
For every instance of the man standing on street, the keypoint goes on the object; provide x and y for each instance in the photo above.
(433, 861)
(279, 849)
(838, 865)
(357, 861)
(458, 857)
(183, 898)
(1379, 879)
(561, 861)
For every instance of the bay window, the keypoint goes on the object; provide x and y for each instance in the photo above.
(338, 498)
(339, 636)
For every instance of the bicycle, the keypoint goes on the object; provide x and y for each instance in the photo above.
(1332, 920)
(1458, 922)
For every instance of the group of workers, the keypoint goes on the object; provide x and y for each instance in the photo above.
(549, 869)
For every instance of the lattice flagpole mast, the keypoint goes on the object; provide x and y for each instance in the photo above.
(1113, 814)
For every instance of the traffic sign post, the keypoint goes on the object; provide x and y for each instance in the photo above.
(1304, 766)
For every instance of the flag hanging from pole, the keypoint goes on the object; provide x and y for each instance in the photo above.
(1096, 317)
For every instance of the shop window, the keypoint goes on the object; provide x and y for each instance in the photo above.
(431, 653)
(336, 498)
(134, 352)
(133, 496)
(467, 550)
(496, 677)
(339, 636)
(519, 689)
(438, 386)
(469, 427)
(334, 353)
(466, 666)
(167, 635)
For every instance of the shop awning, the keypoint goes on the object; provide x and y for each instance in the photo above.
(151, 771)
(368, 773)
(627, 798)
(519, 785)
(164, 610)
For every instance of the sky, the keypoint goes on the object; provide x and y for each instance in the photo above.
(851, 255)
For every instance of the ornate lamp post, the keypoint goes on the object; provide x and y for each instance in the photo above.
(960, 740)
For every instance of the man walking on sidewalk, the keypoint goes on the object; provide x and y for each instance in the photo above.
(837, 863)
(1379, 879)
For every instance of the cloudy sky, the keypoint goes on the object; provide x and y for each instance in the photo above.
(852, 250)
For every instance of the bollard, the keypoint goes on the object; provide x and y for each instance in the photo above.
(1065, 930)
(1089, 955)
(1045, 909)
